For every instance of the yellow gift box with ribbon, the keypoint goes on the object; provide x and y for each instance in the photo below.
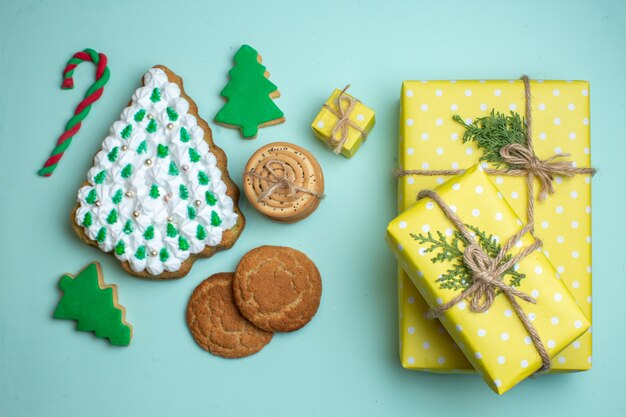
(343, 123)
(431, 140)
(477, 266)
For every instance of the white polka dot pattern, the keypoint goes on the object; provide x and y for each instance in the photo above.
(500, 339)
(559, 210)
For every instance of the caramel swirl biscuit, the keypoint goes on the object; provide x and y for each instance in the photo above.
(283, 182)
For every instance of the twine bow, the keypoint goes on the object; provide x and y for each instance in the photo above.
(487, 274)
(279, 181)
(524, 156)
(339, 134)
(543, 169)
(523, 162)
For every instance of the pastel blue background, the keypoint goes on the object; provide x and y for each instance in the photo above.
(345, 362)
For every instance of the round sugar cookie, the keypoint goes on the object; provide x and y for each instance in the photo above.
(284, 182)
(216, 324)
(277, 288)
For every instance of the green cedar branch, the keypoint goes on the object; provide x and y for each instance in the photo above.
(494, 132)
(448, 249)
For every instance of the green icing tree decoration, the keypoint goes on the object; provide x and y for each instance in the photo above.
(117, 197)
(128, 227)
(120, 248)
(200, 232)
(164, 255)
(92, 197)
(140, 115)
(126, 131)
(210, 198)
(143, 146)
(459, 276)
(112, 217)
(88, 219)
(194, 156)
(182, 243)
(102, 234)
(203, 178)
(149, 233)
(112, 156)
(171, 230)
(93, 304)
(171, 114)
(184, 135)
(191, 212)
(215, 219)
(152, 126)
(154, 191)
(249, 95)
(127, 171)
(162, 151)
(100, 176)
(141, 252)
(155, 96)
(183, 192)
(494, 132)
(173, 169)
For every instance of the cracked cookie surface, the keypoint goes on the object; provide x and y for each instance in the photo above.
(277, 288)
(217, 325)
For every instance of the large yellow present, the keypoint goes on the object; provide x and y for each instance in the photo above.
(343, 123)
(431, 140)
(452, 258)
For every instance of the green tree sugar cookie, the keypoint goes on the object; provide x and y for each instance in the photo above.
(93, 304)
(248, 95)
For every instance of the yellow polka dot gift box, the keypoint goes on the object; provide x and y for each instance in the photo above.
(431, 140)
(507, 331)
(343, 123)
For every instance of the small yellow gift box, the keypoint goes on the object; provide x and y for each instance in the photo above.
(431, 140)
(431, 251)
(343, 123)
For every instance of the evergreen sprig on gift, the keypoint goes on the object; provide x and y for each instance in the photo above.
(492, 133)
(459, 276)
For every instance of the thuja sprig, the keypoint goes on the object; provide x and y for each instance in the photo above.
(449, 251)
(492, 133)
(458, 276)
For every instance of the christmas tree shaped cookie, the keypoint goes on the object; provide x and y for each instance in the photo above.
(249, 95)
(159, 195)
(93, 305)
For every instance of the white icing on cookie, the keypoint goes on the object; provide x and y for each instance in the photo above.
(155, 193)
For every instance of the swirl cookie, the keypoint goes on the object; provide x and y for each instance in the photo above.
(277, 288)
(215, 323)
(159, 195)
(284, 182)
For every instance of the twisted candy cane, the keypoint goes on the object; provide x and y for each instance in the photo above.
(82, 110)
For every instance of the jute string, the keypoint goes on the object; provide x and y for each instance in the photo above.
(531, 167)
(279, 181)
(487, 274)
(339, 134)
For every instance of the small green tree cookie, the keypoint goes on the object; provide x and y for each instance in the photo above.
(93, 304)
(249, 96)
